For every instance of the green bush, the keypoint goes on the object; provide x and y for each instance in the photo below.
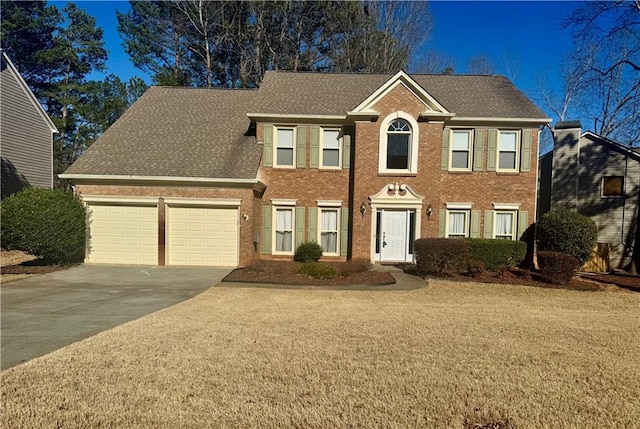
(497, 254)
(568, 232)
(557, 267)
(441, 256)
(50, 224)
(318, 270)
(307, 252)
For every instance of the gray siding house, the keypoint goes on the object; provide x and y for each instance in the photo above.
(26, 134)
(598, 178)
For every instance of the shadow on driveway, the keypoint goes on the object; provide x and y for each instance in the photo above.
(44, 313)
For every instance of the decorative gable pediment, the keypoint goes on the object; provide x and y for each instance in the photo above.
(396, 195)
(432, 107)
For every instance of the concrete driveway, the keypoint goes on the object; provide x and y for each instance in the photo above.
(44, 313)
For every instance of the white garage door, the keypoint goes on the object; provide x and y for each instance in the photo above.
(202, 236)
(123, 234)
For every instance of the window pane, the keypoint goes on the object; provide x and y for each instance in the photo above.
(460, 160)
(285, 156)
(283, 219)
(507, 160)
(284, 233)
(329, 220)
(508, 141)
(504, 224)
(329, 242)
(456, 224)
(330, 158)
(612, 186)
(330, 139)
(283, 241)
(460, 140)
(398, 151)
(399, 125)
(285, 138)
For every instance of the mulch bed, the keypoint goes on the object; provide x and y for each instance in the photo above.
(285, 272)
(623, 280)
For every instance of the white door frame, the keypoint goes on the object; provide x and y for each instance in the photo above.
(386, 241)
(394, 197)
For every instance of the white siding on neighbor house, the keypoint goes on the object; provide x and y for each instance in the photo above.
(25, 137)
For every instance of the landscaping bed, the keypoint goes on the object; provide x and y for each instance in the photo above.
(287, 272)
(17, 265)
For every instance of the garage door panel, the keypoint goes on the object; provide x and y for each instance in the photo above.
(123, 234)
(202, 236)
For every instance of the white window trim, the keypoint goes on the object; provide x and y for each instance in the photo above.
(274, 220)
(338, 219)
(602, 195)
(467, 219)
(283, 202)
(518, 146)
(340, 139)
(275, 145)
(459, 206)
(413, 149)
(506, 206)
(514, 222)
(329, 203)
(470, 158)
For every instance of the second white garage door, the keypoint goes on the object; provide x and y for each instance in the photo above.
(202, 236)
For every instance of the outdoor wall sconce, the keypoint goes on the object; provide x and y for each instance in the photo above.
(429, 211)
(363, 208)
(245, 217)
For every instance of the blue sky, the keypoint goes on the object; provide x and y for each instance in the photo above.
(527, 33)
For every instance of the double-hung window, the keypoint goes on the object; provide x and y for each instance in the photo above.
(504, 225)
(508, 149)
(330, 148)
(285, 147)
(458, 224)
(461, 150)
(328, 230)
(284, 230)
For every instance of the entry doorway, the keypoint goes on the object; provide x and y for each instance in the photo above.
(395, 235)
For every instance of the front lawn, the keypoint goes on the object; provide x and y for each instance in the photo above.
(310, 358)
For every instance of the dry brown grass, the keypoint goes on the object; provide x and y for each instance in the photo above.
(439, 357)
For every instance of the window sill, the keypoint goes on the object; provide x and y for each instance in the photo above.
(508, 173)
(396, 174)
(460, 171)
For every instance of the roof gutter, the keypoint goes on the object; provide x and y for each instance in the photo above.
(499, 120)
(79, 178)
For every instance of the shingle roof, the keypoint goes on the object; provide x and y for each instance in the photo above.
(178, 132)
(332, 94)
(189, 132)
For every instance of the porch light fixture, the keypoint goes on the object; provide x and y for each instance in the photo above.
(363, 208)
(429, 211)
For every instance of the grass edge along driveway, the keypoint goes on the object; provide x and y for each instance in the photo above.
(271, 358)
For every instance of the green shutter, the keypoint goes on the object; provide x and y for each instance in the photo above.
(478, 151)
(301, 149)
(268, 145)
(488, 224)
(493, 150)
(344, 232)
(525, 154)
(312, 231)
(346, 151)
(523, 223)
(299, 226)
(315, 147)
(266, 230)
(442, 218)
(446, 138)
(475, 224)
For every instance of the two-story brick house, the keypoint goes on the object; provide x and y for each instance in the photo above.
(363, 164)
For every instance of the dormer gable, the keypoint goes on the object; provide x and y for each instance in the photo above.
(432, 107)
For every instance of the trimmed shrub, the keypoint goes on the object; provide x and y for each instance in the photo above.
(50, 224)
(307, 252)
(568, 232)
(318, 270)
(441, 256)
(557, 267)
(497, 254)
(476, 268)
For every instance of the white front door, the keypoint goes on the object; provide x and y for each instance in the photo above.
(393, 246)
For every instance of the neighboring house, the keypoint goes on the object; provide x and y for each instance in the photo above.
(26, 134)
(361, 163)
(598, 178)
